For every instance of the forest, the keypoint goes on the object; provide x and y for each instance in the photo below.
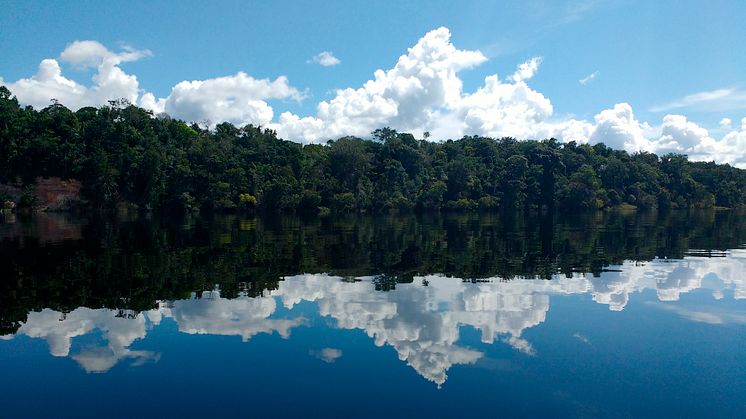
(124, 155)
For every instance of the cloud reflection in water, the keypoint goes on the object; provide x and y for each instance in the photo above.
(420, 322)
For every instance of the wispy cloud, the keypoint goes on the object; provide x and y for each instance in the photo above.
(581, 338)
(326, 59)
(574, 11)
(328, 355)
(708, 315)
(544, 18)
(585, 80)
(712, 100)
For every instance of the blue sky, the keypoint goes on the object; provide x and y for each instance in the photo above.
(653, 59)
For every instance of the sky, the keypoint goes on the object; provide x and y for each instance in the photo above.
(664, 76)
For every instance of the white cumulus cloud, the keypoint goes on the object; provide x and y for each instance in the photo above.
(618, 128)
(526, 70)
(504, 109)
(239, 99)
(108, 83)
(423, 92)
(89, 54)
(679, 135)
(408, 96)
(326, 59)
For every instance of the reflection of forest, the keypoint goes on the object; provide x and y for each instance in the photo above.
(421, 321)
(132, 264)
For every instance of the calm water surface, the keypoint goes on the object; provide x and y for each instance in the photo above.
(605, 315)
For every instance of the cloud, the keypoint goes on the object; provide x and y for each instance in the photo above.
(709, 315)
(581, 338)
(422, 92)
(574, 11)
(618, 128)
(328, 355)
(119, 332)
(587, 79)
(90, 54)
(680, 135)
(109, 82)
(711, 100)
(326, 59)
(526, 70)
(407, 96)
(102, 359)
(85, 54)
(503, 109)
(239, 99)
(245, 317)
(211, 314)
(730, 149)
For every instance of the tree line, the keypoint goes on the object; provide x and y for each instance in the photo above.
(123, 154)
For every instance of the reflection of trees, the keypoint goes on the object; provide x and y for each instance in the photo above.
(131, 264)
(422, 323)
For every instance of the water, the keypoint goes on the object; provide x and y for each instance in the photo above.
(604, 315)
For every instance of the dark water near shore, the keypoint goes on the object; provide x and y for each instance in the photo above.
(600, 315)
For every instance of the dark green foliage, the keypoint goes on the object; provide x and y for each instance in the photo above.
(131, 264)
(27, 199)
(122, 154)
